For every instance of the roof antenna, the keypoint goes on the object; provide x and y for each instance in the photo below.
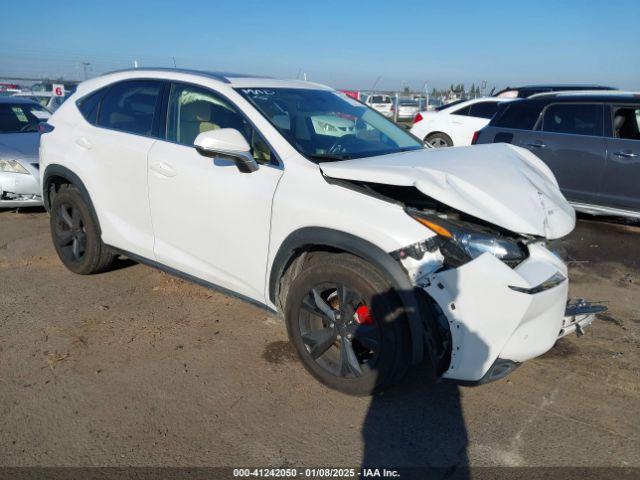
(174, 62)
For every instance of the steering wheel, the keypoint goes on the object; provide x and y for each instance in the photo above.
(343, 143)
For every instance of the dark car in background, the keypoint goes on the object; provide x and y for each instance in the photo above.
(529, 90)
(590, 140)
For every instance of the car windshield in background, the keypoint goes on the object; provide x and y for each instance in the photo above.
(380, 99)
(21, 117)
(325, 125)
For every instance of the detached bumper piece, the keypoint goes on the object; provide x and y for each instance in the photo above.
(579, 314)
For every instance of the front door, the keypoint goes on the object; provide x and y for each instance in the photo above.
(621, 184)
(569, 140)
(210, 220)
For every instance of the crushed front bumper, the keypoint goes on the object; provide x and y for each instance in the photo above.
(20, 190)
(499, 316)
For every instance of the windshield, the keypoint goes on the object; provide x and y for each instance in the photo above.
(21, 117)
(327, 125)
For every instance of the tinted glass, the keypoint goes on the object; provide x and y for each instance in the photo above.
(193, 110)
(88, 106)
(21, 117)
(484, 109)
(130, 106)
(573, 119)
(380, 99)
(626, 123)
(522, 116)
(322, 124)
(462, 111)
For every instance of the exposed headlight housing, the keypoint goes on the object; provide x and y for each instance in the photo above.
(461, 242)
(11, 166)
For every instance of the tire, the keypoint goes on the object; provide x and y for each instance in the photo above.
(359, 346)
(439, 140)
(75, 234)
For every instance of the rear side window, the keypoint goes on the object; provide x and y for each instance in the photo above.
(519, 116)
(484, 109)
(573, 119)
(88, 105)
(462, 111)
(130, 106)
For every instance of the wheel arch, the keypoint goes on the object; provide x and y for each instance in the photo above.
(307, 239)
(55, 176)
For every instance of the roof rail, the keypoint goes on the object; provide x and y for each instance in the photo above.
(220, 76)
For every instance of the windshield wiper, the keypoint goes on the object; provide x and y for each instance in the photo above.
(329, 156)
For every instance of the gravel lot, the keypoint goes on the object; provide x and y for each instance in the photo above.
(135, 367)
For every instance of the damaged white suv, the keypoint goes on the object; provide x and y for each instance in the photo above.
(379, 252)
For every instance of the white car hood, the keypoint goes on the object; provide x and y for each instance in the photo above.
(499, 183)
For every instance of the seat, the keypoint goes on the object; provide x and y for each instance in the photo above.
(195, 118)
(618, 123)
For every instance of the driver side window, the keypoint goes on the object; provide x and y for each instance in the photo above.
(193, 110)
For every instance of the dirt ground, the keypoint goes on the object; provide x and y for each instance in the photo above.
(135, 367)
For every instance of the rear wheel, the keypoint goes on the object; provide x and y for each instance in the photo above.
(439, 140)
(347, 325)
(75, 234)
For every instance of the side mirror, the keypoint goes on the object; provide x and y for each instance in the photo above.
(229, 144)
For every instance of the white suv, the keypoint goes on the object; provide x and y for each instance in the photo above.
(378, 252)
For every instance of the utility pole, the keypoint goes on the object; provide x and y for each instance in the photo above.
(85, 68)
(426, 91)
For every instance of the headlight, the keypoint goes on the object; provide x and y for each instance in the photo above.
(12, 166)
(461, 242)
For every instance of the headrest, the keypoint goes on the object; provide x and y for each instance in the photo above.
(618, 122)
(197, 111)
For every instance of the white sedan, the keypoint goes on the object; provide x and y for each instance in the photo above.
(454, 124)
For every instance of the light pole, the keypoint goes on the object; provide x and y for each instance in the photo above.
(85, 68)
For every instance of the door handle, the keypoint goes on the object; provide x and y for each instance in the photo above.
(163, 169)
(536, 145)
(83, 143)
(626, 154)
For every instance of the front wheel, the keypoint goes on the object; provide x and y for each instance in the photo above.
(347, 325)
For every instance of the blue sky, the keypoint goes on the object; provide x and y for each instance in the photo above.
(346, 44)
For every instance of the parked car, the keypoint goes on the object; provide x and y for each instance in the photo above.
(378, 252)
(453, 125)
(591, 142)
(381, 103)
(47, 99)
(332, 125)
(528, 90)
(19, 141)
(407, 109)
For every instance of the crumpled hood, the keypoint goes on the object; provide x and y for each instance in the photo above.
(502, 184)
(20, 145)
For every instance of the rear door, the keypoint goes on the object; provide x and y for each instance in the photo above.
(621, 183)
(569, 139)
(112, 147)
